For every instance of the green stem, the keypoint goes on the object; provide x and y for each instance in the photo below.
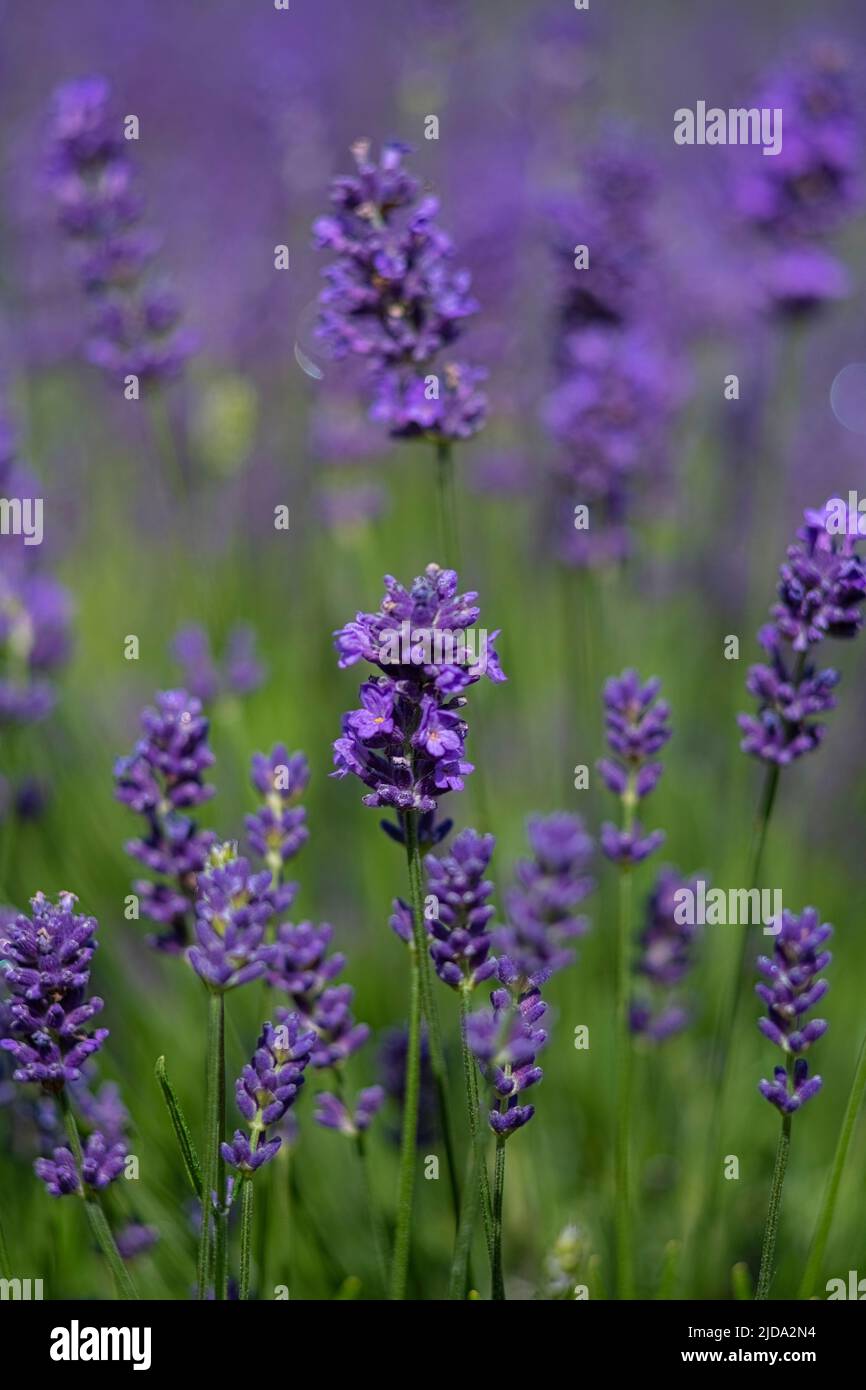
(625, 1273)
(768, 1251)
(213, 1166)
(831, 1189)
(246, 1236)
(497, 1290)
(95, 1213)
(460, 1280)
(406, 1180)
(428, 1005)
(480, 1175)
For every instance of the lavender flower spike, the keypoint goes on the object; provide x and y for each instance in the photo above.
(541, 907)
(459, 920)
(233, 909)
(278, 830)
(267, 1089)
(822, 587)
(407, 741)
(161, 780)
(134, 323)
(666, 957)
(394, 298)
(791, 987)
(47, 973)
(505, 1042)
(638, 727)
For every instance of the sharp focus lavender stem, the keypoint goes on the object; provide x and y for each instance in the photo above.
(768, 1250)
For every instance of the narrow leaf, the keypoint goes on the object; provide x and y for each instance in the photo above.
(181, 1129)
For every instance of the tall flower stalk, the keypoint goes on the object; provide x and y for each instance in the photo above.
(790, 988)
(407, 745)
(637, 726)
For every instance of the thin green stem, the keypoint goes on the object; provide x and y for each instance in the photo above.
(460, 1281)
(95, 1213)
(480, 1174)
(213, 1167)
(831, 1189)
(428, 1005)
(768, 1251)
(408, 1158)
(497, 1289)
(625, 1271)
(246, 1236)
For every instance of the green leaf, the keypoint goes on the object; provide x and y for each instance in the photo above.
(181, 1128)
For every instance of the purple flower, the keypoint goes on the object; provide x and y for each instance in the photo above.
(813, 184)
(392, 1070)
(136, 1239)
(822, 587)
(267, 1089)
(278, 829)
(394, 298)
(407, 742)
(550, 885)
(162, 779)
(241, 672)
(233, 908)
(59, 1173)
(664, 960)
(794, 988)
(299, 965)
(47, 972)
(638, 727)
(505, 1041)
(333, 1113)
(134, 323)
(461, 913)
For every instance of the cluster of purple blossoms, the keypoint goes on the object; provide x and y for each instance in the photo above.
(162, 779)
(822, 587)
(299, 965)
(47, 960)
(541, 906)
(134, 323)
(812, 184)
(394, 298)
(638, 727)
(459, 919)
(266, 1090)
(505, 1041)
(278, 829)
(790, 988)
(240, 673)
(233, 908)
(332, 1111)
(407, 741)
(35, 611)
(610, 410)
(665, 958)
